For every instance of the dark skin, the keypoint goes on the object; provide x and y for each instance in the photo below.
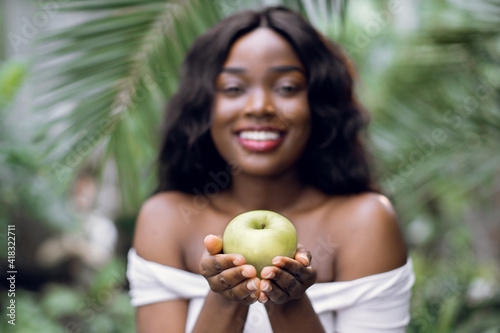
(341, 237)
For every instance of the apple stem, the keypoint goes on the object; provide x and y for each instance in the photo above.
(263, 225)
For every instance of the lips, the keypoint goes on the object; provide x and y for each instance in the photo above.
(261, 139)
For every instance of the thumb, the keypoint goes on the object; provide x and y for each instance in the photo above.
(213, 244)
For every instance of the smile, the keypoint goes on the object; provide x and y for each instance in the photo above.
(260, 140)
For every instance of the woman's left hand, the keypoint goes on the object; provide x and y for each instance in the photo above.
(288, 279)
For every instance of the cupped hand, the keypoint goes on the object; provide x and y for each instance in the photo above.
(288, 279)
(228, 274)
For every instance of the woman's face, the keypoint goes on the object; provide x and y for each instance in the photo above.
(261, 117)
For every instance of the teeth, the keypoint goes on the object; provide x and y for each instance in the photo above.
(259, 135)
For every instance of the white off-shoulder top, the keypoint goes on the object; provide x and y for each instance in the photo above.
(376, 303)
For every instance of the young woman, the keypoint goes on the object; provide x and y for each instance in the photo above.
(265, 118)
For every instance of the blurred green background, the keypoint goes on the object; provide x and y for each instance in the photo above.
(82, 87)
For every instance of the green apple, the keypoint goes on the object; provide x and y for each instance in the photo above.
(260, 235)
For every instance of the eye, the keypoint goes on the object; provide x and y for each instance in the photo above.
(232, 90)
(287, 89)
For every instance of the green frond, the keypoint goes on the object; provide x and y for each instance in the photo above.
(117, 70)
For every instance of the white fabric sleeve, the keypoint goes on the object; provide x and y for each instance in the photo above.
(372, 304)
(151, 282)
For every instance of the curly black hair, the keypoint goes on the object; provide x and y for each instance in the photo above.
(335, 160)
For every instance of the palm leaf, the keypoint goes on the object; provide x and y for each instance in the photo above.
(117, 71)
(439, 79)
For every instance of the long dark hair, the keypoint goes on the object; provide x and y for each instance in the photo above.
(335, 160)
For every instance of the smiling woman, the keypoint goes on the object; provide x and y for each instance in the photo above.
(266, 111)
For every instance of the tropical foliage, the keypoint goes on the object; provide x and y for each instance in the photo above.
(429, 73)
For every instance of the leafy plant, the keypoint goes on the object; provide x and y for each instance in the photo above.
(434, 94)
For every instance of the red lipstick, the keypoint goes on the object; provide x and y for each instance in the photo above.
(260, 139)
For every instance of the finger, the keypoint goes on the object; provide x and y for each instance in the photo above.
(263, 298)
(272, 292)
(213, 244)
(247, 290)
(292, 266)
(252, 298)
(231, 277)
(303, 255)
(305, 275)
(212, 265)
(286, 281)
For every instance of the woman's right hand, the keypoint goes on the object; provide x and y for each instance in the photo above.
(227, 274)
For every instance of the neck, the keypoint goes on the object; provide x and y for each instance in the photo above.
(269, 193)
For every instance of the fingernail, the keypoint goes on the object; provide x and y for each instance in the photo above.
(245, 273)
(253, 296)
(251, 285)
(267, 286)
(264, 300)
(276, 261)
(305, 257)
(237, 263)
(269, 275)
(204, 240)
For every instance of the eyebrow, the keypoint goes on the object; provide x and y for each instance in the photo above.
(278, 69)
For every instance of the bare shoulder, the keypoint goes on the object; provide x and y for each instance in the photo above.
(160, 228)
(372, 239)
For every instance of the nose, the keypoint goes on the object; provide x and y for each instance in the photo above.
(259, 104)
